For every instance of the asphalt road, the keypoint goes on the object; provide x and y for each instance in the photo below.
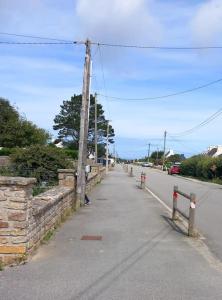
(209, 202)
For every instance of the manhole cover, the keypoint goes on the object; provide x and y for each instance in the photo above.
(91, 238)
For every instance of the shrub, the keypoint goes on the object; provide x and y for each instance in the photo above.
(71, 153)
(204, 167)
(218, 163)
(189, 166)
(41, 162)
(6, 151)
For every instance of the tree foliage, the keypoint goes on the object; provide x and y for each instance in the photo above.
(176, 158)
(67, 122)
(156, 155)
(16, 131)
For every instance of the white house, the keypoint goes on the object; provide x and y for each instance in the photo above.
(169, 153)
(214, 151)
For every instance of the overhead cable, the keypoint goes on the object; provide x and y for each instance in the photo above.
(38, 43)
(167, 95)
(35, 37)
(104, 81)
(158, 47)
(117, 44)
(204, 123)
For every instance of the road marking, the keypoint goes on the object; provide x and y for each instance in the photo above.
(159, 200)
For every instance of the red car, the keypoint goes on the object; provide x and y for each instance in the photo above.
(175, 169)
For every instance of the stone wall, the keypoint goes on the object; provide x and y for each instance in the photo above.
(25, 220)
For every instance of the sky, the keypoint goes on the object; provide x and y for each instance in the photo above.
(37, 78)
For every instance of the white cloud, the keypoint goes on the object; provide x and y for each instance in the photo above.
(38, 17)
(117, 21)
(206, 24)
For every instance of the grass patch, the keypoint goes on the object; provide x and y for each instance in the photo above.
(1, 266)
(22, 259)
(217, 180)
(214, 180)
(48, 236)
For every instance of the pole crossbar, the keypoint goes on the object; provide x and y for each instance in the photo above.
(184, 195)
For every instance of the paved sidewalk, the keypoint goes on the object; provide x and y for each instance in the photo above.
(141, 256)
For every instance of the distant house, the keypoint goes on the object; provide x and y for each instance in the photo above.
(169, 153)
(59, 145)
(214, 151)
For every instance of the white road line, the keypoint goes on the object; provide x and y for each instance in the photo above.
(159, 200)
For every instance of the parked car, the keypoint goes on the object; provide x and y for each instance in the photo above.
(149, 164)
(175, 169)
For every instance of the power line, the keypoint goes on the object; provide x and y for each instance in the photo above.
(104, 81)
(117, 45)
(158, 47)
(35, 37)
(183, 144)
(202, 124)
(38, 43)
(167, 95)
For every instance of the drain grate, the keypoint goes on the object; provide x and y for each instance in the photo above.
(101, 199)
(91, 238)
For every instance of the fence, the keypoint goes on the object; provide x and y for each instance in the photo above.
(191, 217)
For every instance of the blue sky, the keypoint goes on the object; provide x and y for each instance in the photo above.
(38, 78)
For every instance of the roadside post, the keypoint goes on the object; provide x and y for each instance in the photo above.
(191, 230)
(176, 210)
(143, 180)
(175, 196)
(131, 172)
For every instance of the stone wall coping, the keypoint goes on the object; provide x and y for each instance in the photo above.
(22, 181)
(46, 200)
(66, 171)
(92, 176)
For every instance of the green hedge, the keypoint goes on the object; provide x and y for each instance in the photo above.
(41, 162)
(7, 151)
(202, 166)
(71, 153)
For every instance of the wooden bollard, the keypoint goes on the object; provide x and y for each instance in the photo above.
(131, 172)
(175, 196)
(191, 230)
(143, 180)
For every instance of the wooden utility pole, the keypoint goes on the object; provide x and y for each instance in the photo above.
(81, 179)
(164, 148)
(96, 148)
(107, 147)
(157, 155)
(149, 152)
(114, 150)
